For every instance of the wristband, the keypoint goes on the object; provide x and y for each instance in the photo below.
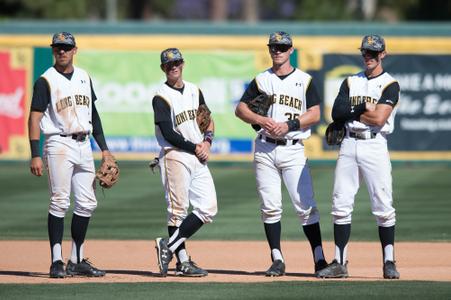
(293, 125)
(34, 145)
(208, 136)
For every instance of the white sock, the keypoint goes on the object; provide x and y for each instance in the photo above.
(388, 253)
(276, 254)
(345, 254)
(173, 236)
(183, 256)
(56, 252)
(73, 256)
(177, 244)
(318, 254)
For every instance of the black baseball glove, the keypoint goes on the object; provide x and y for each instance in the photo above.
(335, 133)
(260, 104)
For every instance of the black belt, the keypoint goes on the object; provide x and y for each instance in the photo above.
(282, 142)
(80, 137)
(362, 135)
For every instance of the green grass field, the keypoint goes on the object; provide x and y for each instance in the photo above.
(135, 209)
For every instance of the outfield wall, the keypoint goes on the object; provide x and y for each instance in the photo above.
(125, 71)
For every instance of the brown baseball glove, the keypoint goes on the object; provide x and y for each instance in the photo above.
(108, 173)
(203, 117)
(335, 133)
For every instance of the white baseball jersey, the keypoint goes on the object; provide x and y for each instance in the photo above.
(289, 97)
(70, 107)
(362, 89)
(183, 113)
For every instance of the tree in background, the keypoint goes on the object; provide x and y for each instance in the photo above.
(226, 10)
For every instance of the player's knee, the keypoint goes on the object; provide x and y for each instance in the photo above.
(310, 216)
(341, 218)
(386, 219)
(271, 215)
(205, 217)
(85, 210)
(59, 206)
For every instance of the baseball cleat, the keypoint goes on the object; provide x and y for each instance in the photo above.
(189, 269)
(390, 271)
(84, 268)
(319, 265)
(57, 270)
(333, 270)
(277, 269)
(164, 255)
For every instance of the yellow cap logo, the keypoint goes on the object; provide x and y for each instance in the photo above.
(370, 40)
(278, 37)
(169, 55)
(61, 37)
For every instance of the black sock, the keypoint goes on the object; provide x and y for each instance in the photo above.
(55, 228)
(78, 229)
(313, 234)
(171, 230)
(273, 232)
(189, 226)
(387, 237)
(341, 236)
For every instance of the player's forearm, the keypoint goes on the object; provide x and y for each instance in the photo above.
(243, 112)
(377, 117)
(34, 131)
(174, 138)
(311, 117)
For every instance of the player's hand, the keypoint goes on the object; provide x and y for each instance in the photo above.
(203, 151)
(370, 106)
(267, 123)
(36, 166)
(280, 129)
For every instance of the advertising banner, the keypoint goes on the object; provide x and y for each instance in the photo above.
(13, 111)
(125, 83)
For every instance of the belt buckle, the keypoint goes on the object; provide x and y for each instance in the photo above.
(81, 137)
(360, 135)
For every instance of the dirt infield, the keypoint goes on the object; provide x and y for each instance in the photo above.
(226, 261)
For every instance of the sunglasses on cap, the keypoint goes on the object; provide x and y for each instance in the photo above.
(279, 48)
(65, 48)
(172, 64)
(371, 53)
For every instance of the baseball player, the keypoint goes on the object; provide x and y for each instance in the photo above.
(183, 164)
(279, 149)
(63, 109)
(366, 103)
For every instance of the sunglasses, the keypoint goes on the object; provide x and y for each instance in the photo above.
(65, 48)
(371, 53)
(170, 65)
(279, 48)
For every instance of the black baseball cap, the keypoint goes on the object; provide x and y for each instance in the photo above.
(63, 38)
(170, 55)
(280, 38)
(373, 42)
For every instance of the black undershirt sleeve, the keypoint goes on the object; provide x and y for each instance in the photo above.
(162, 115)
(97, 130)
(251, 92)
(201, 98)
(312, 95)
(41, 95)
(93, 94)
(342, 110)
(390, 95)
